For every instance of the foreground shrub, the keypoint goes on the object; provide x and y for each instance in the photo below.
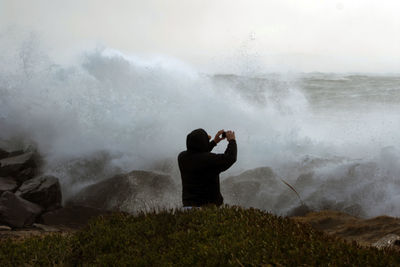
(203, 237)
(49, 250)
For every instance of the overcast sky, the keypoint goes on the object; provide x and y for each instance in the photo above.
(222, 35)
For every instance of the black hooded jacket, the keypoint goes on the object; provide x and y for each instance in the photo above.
(200, 169)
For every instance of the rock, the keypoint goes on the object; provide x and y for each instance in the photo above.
(25, 174)
(16, 211)
(252, 188)
(43, 190)
(304, 180)
(388, 241)
(355, 210)
(15, 153)
(129, 192)
(5, 228)
(262, 174)
(7, 184)
(300, 210)
(12, 166)
(46, 228)
(243, 193)
(6, 154)
(71, 216)
(3, 154)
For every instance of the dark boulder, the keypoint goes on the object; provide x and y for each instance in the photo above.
(6, 154)
(16, 211)
(71, 216)
(5, 228)
(43, 190)
(262, 176)
(136, 190)
(300, 210)
(15, 153)
(3, 154)
(252, 188)
(243, 193)
(46, 228)
(25, 175)
(12, 166)
(7, 184)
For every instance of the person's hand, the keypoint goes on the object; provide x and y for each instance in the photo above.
(230, 135)
(218, 137)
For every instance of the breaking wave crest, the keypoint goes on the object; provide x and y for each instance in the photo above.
(110, 112)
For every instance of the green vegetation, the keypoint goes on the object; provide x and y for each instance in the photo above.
(202, 237)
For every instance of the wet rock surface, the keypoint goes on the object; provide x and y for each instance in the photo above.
(23, 195)
(300, 210)
(5, 228)
(25, 175)
(46, 228)
(7, 184)
(16, 211)
(127, 192)
(3, 153)
(31, 203)
(253, 188)
(43, 190)
(11, 166)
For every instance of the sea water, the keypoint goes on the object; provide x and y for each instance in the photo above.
(107, 112)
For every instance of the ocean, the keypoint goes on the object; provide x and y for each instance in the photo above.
(332, 136)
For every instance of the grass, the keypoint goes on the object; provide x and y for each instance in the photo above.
(203, 237)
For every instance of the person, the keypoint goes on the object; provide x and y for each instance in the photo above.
(200, 168)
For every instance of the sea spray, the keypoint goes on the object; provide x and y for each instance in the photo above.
(140, 111)
(332, 136)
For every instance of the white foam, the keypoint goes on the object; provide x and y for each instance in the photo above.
(139, 110)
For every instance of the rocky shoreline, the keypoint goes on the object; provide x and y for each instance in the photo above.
(31, 203)
(25, 194)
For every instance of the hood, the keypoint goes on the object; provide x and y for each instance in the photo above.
(197, 140)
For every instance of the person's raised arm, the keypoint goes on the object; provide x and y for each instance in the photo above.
(222, 162)
(211, 145)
